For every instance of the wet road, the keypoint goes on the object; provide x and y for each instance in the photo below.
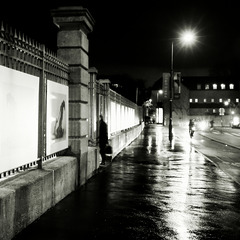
(223, 149)
(150, 191)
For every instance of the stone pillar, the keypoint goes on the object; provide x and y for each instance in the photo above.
(75, 23)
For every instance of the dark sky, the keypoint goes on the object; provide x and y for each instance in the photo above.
(134, 37)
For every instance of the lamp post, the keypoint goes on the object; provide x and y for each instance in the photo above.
(171, 97)
(186, 38)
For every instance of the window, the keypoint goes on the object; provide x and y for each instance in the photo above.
(204, 100)
(212, 100)
(214, 86)
(199, 87)
(206, 86)
(223, 86)
(214, 110)
(190, 100)
(237, 99)
(231, 86)
(220, 100)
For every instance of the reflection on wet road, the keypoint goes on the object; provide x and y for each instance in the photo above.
(191, 197)
(218, 150)
(149, 192)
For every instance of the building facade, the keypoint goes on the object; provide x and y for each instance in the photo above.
(201, 98)
(215, 98)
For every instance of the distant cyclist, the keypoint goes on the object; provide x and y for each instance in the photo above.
(191, 126)
(211, 125)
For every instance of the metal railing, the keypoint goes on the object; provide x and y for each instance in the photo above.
(18, 52)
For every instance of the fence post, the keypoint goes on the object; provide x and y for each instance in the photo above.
(42, 111)
(107, 115)
(92, 104)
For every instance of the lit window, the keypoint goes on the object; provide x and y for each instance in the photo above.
(214, 110)
(220, 100)
(231, 86)
(190, 100)
(206, 86)
(199, 87)
(226, 103)
(204, 100)
(237, 99)
(223, 86)
(196, 100)
(214, 86)
(212, 100)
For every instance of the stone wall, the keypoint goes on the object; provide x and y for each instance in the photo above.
(25, 197)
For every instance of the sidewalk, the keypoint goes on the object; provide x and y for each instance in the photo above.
(149, 191)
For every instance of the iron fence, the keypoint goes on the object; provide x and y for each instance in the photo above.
(21, 54)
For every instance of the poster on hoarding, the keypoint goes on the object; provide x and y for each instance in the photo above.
(19, 100)
(57, 117)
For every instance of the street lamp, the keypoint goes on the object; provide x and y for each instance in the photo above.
(187, 38)
(159, 92)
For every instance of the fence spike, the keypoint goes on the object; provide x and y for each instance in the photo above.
(27, 40)
(23, 38)
(36, 45)
(31, 42)
(40, 46)
(19, 36)
(15, 34)
(2, 27)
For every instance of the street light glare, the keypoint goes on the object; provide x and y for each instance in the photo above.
(188, 37)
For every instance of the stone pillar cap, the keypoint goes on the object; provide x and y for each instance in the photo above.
(73, 17)
(104, 81)
(92, 70)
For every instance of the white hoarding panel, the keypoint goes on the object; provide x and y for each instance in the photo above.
(19, 99)
(57, 117)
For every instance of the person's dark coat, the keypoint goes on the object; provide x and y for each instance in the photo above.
(103, 139)
(103, 134)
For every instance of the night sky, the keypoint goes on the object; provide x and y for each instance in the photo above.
(134, 37)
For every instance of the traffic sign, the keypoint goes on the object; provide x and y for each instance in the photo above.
(165, 85)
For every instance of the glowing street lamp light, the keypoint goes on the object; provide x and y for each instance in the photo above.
(187, 38)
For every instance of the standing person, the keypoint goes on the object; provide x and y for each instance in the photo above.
(103, 139)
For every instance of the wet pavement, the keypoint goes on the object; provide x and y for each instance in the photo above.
(150, 191)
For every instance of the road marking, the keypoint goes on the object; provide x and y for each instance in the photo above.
(236, 134)
(226, 133)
